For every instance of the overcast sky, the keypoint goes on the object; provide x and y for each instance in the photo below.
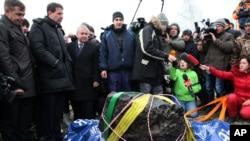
(98, 13)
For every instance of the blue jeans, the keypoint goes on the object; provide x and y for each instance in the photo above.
(214, 83)
(119, 81)
(150, 89)
(189, 105)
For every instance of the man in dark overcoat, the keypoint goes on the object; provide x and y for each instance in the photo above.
(85, 57)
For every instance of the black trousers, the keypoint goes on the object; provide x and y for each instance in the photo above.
(16, 119)
(83, 109)
(52, 106)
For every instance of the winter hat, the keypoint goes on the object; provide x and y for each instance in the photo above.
(220, 22)
(25, 23)
(247, 21)
(163, 18)
(117, 14)
(187, 32)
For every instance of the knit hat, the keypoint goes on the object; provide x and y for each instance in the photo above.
(117, 14)
(220, 22)
(163, 18)
(247, 21)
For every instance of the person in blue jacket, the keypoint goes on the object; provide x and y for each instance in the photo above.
(117, 55)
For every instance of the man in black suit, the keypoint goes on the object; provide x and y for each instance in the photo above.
(85, 57)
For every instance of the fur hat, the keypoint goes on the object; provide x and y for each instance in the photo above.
(116, 15)
(247, 21)
(163, 18)
(220, 22)
(187, 32)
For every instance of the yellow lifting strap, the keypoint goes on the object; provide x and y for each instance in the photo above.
(136, 108)
(165, 99)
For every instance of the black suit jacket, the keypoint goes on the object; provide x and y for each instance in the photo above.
(85, 70)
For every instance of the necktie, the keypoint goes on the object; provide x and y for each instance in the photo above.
(80, 46)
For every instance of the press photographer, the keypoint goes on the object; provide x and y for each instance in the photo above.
(218, 51)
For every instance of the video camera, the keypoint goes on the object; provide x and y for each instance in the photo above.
(7, 84)
(208, 27)
(136, 26)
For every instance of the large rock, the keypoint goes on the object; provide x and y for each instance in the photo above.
(165, 120)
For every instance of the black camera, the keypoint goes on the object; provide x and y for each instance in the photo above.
(7, 85)
(6, 92)
(211, 28)
(137, 25)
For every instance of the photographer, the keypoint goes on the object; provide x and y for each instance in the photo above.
(218, 51)
(174, 44)
(241, 13)
(16, 62)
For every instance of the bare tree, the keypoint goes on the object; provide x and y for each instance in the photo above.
(190, 13)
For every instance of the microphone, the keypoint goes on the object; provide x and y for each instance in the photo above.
(193, 59)
(173, 52)
(189, 58)
(188, 84)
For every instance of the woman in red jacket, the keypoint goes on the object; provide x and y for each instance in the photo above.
(239, 100)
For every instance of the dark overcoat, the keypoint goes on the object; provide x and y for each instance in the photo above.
(85, 70)
(15, 56)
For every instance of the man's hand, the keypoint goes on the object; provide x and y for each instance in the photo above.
(171, 58)
(104, 74)
(166, 38)
(213, 36)
(95, 84)
(19, 91)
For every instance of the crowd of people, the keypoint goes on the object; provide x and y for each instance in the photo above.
(52, 71)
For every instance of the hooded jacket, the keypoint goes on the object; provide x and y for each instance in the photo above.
(149, 54)
(176, 43)
(241, 12)
(53, 61)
